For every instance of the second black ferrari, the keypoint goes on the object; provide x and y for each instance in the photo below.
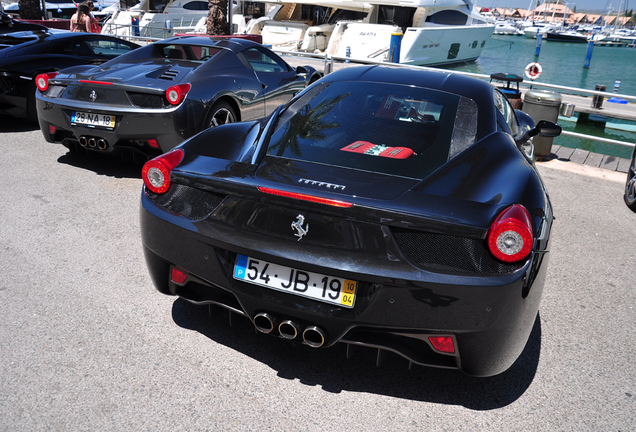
(150, 100)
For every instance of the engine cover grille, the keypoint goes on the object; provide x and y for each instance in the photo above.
(440, 252)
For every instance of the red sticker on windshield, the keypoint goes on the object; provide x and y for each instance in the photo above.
(364, 147)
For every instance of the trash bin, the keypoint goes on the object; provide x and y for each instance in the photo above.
(542, 105)
(597, 100)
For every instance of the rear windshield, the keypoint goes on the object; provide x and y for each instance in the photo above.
(393, 129)
(187, 52)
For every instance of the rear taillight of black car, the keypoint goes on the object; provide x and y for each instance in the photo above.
(156, 172)
(42, 80)
(510, 237)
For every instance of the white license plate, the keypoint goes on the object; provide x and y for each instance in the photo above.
(328, 289)
(91, 119)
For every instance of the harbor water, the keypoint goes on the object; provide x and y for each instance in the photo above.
(562, 64)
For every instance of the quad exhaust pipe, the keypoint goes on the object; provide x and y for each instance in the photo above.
(313, 336)
(288, 329)
(92, 142)
(264, 322)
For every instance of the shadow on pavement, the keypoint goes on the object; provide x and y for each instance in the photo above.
(14, 124)
(330, 369)
(102, 164)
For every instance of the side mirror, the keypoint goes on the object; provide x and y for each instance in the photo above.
(544, 128)
(300, 70)
(548, 129)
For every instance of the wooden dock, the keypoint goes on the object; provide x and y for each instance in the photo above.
(588, 158)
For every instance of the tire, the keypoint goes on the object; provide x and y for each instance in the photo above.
(630, 184)
(220, 113)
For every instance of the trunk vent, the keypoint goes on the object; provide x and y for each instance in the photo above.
(169, 74)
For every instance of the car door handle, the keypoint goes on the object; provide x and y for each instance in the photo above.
(264, 86)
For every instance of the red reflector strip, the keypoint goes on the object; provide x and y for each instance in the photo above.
(331, 202)
(443, 344)
(178, 276)
(153, 143)
(95, 82)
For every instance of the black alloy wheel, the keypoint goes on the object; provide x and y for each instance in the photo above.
(220, 114)
(630, 184)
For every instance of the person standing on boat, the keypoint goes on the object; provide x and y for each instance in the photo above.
(81, 20)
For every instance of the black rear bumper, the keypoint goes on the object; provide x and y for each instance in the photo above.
(489, 318)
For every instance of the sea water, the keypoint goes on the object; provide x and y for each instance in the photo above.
(562, 64)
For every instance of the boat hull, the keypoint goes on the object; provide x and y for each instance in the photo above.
(420, 46)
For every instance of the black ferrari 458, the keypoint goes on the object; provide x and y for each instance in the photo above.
(147, 102)
(393, 209)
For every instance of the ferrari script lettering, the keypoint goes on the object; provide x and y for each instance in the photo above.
(321, 184)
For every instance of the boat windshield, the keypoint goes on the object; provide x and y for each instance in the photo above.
(393, 129)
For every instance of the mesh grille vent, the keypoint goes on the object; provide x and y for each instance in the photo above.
(143, 100)
(440, 252)
(189, 202)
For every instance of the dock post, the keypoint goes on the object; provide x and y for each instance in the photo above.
(588, 56)
(539, 37)
(394, 49)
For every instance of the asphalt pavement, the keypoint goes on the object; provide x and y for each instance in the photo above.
(88, 344)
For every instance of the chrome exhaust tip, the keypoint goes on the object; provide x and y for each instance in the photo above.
(92, 142)
(314, 336)
(83, 142)
(264, 322)
(288, 329)
(102, 144)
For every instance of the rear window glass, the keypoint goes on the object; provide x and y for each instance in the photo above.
(393, 129)
(187, 52)
(108, 47)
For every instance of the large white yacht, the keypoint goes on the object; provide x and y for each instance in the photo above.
(435, 32)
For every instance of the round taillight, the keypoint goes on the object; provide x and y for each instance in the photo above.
(42, 80)
(176, 94)
(510, 236)
(156, 172)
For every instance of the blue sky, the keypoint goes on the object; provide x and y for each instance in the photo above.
(580, 4)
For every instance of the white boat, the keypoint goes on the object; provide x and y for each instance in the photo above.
(507, 28)
(156, 18)
(434, 32)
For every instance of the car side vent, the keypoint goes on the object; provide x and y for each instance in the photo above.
(169, 74)
(189, 202)
(440, 252)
